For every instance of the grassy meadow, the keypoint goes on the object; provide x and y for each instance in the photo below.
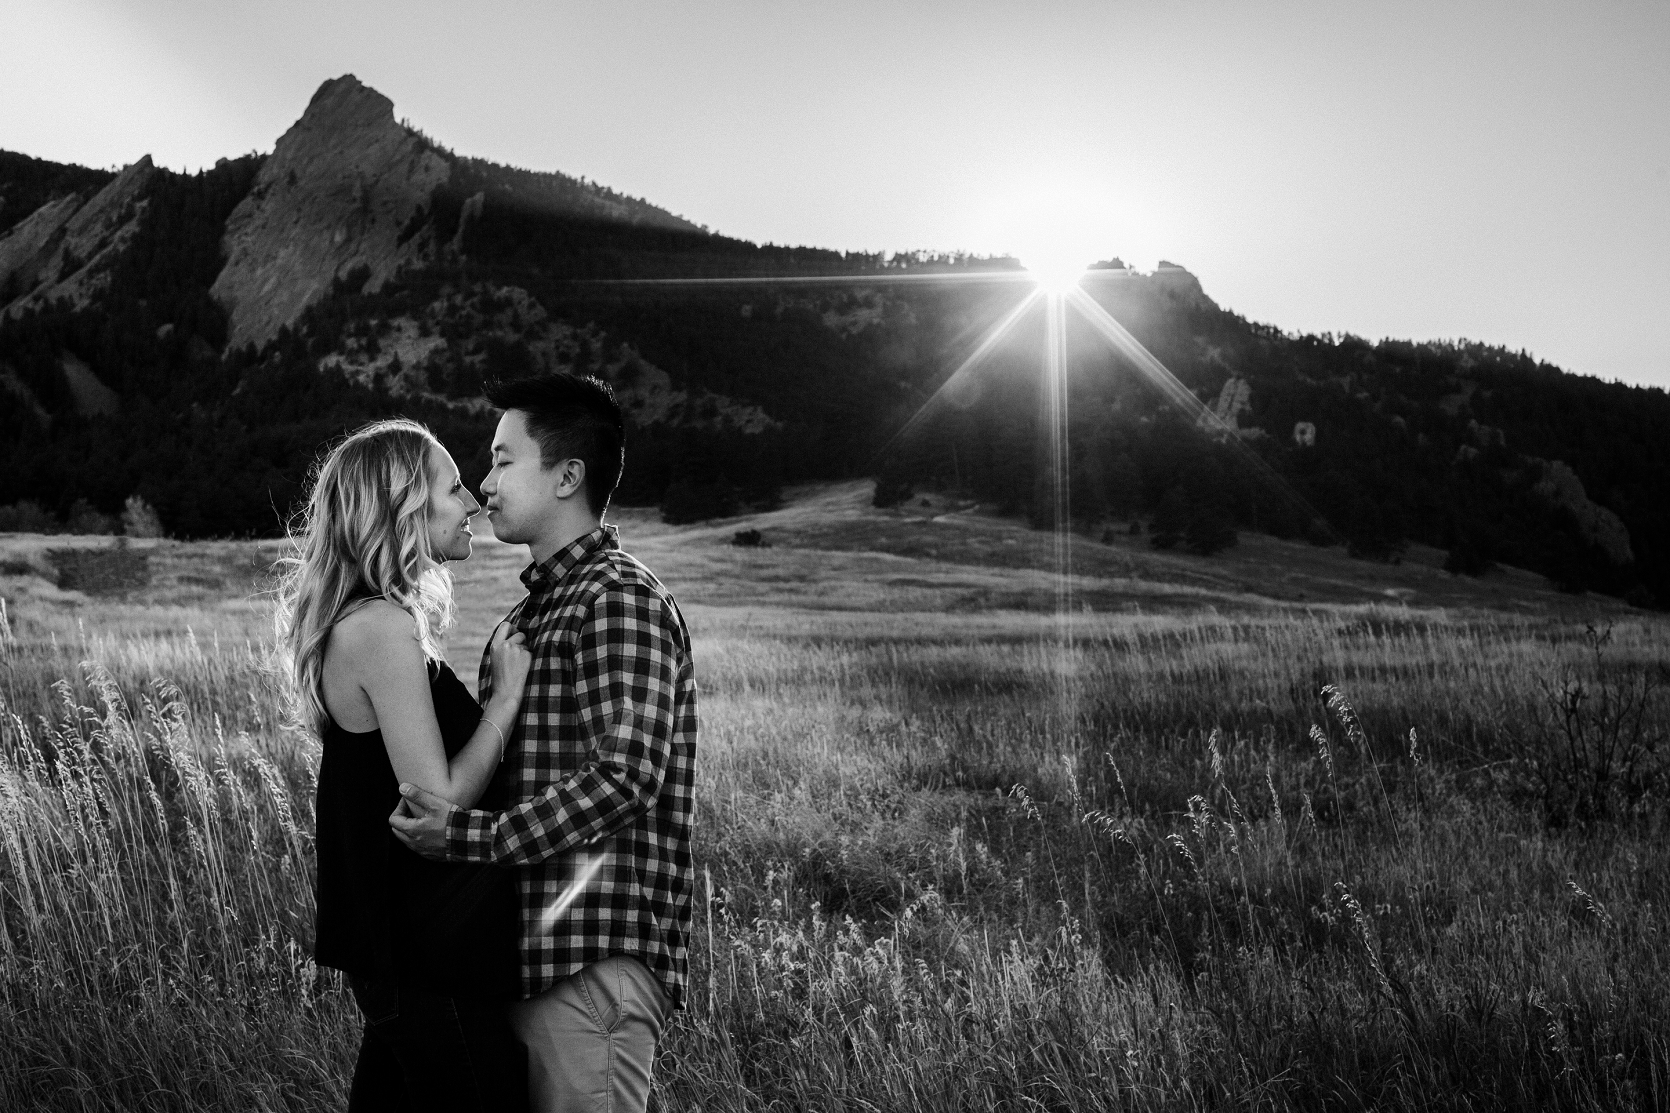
(1277, 830)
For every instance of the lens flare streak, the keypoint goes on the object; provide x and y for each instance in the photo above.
(1158, 374)
(1058, 473)
(589, 865)
(993, 337)
(1152, 369)
(1014, 276)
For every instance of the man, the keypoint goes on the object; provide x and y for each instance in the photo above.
(602, 759)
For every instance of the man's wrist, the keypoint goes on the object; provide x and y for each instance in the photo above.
(468, 835)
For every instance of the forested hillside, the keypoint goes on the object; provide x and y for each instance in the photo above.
(739, 386)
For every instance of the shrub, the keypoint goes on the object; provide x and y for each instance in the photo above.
(27, 517)
(1597, 736)
(85, 518)
(891, 490)
(1642, 597)
(139, 519)
(1208, 532)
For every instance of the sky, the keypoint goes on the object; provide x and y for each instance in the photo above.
(1493, 171)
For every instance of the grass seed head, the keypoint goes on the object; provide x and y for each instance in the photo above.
(1323, 750)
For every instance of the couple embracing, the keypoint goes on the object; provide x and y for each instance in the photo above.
(506, 884)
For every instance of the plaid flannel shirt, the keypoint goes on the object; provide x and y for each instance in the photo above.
(602, 760)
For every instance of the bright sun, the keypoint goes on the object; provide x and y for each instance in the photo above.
(1056, 268)
(1047, 219)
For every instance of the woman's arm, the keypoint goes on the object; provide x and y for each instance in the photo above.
(379, 644)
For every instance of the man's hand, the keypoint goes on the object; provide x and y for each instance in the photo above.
(420, 821)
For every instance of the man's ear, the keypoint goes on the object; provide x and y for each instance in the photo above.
(571, 478)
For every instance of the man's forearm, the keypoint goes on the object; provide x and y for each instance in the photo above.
(573, 813)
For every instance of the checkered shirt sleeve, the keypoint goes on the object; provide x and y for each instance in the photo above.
(602, 762)
(625, 671)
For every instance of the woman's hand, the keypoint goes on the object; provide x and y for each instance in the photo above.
(511, 661)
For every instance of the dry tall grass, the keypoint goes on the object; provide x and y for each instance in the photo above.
(944, 864)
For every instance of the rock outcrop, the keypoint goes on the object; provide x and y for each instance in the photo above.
(468, 215)
(91, 396)
(1600, 526)
(1234, 400)
(1178, 284)
(1488, 436)
(334, 201)
(66, 247)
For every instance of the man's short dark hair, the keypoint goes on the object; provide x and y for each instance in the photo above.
(573, 417)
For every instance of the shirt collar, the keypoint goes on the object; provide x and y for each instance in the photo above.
(547, 574)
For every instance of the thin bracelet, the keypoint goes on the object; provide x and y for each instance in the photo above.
(495, 726)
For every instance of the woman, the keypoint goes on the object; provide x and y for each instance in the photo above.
(429, 948)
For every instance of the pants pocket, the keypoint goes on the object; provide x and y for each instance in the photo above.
(621, 990)
(601, 997)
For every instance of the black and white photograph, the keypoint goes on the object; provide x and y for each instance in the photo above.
(897, 557)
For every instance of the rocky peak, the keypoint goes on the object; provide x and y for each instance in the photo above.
(344, 104)
(65, 247)
(333, 201)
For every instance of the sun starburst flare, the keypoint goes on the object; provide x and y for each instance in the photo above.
(1058, 279)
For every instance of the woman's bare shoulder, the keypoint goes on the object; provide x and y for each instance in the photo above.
(377, 625)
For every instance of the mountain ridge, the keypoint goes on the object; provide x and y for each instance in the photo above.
(241, 316)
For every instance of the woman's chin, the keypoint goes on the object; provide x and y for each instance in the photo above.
(459, 550)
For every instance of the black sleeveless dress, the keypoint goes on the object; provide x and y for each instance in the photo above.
(386, 914)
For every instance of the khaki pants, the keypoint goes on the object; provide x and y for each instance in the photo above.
(591, 1038)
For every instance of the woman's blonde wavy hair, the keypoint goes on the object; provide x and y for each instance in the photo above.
(363, 533)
